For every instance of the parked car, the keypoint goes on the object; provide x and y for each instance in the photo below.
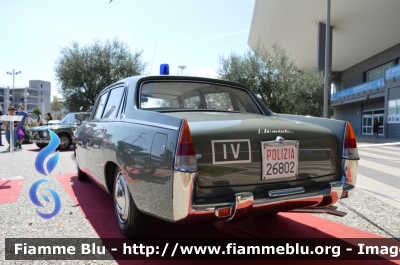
(64, 129)
(53, 122)
(191, 149)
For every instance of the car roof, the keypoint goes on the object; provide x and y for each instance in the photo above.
(139, 78)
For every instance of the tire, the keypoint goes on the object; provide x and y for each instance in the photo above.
(41, 146)
(65, 141)
(132, 223)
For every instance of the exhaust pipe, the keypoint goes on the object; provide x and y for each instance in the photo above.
(329, 210)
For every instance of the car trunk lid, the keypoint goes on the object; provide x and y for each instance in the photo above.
(231, 148)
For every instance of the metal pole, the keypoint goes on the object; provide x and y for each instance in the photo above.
(13, 86)
(327, 63)
(12, 145)
(182, 67)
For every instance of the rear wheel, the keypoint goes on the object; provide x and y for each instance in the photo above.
(65, 141)
(131, 221)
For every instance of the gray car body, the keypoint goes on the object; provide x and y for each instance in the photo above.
(136, 139)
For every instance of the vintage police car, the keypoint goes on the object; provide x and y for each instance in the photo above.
(190, 149)
(64, 129)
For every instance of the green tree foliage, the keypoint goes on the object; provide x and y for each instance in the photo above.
(56, 104)
(274, 77)
(37, 112)
(83, 71)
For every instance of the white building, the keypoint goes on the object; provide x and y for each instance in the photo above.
(364, 53)
(37, 95)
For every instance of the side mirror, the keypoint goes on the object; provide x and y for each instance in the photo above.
(80, 117)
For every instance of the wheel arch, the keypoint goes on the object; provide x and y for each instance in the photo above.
(109, 172)
(64, 133)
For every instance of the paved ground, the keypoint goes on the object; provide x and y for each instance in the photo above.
(378, 171)
(375, 207)
(376, 211)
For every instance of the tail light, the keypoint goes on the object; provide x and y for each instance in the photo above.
(350, 150)
(185, 158)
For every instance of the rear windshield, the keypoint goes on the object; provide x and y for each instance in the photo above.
(195, 96)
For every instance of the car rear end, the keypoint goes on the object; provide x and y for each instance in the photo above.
(271, 174)
(234, 160)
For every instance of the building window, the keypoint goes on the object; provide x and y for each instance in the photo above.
(394, 111)
(41, 85)
(41, 100)
(378, 72)
(41, 92)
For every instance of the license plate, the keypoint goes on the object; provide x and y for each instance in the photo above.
(279, 160)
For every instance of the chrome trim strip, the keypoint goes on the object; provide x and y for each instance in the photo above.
(244, 204)
(348, 176)
(182, 195)
(185, 169)
(284, 192)
(153, 124)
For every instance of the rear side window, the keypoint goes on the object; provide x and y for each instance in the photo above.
(113, 102)
(100, 106)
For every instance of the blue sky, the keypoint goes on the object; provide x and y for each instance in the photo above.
(193, 33)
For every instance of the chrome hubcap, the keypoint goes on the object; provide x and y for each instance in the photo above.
(121, 194)
(63, 142)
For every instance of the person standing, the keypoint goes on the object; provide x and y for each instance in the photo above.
(375, 128)
(7, 128)
(21, 112)
(30, 119)
(48, 117)
(1, 123)
(40, 121)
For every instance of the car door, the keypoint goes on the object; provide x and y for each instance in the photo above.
(101, 137)
(92, 129)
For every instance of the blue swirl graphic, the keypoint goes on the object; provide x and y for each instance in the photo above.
(35, 200)
(45, 152)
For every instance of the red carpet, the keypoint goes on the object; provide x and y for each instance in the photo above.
(97, 206)
(10, 189)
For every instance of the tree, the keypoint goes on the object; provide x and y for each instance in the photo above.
(37, 112)
(275, 78)
(83, 71)
(56, 104)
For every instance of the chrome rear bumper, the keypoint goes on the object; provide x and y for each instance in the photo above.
(245, 205)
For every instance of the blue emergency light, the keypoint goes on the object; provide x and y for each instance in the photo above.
(164, 69)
